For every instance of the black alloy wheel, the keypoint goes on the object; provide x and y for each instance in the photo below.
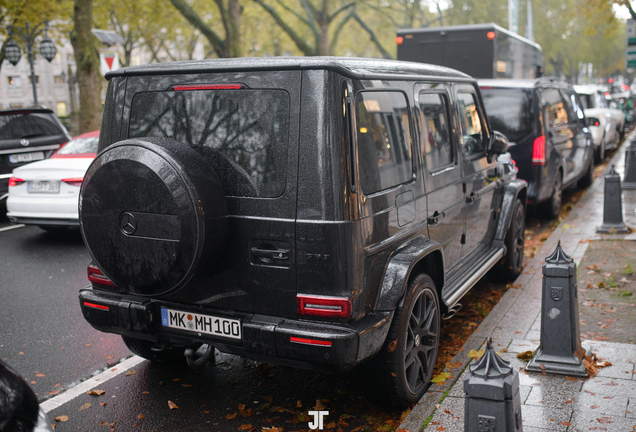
(515, 242)
(406, 362)
(550, 209)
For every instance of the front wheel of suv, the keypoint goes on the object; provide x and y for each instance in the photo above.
(404, 366)
(512, 263)
(550, 209)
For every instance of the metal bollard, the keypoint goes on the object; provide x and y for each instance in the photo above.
(629, 182)
(613, 206)
(492, 395)
(560, 349)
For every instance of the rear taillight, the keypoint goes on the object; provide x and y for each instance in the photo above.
(593, 121)
(331, 307)
(14, 181)
(538, 151)
(75, 181)
(96, 276)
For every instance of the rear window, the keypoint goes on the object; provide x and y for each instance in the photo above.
(242, 133)
(587, 101)
(79, 146)
(510, 111)
(29, 125)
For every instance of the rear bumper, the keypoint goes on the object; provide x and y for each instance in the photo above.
(264, 338)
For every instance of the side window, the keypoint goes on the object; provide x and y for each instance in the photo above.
(384, 140)
(555, 110)
(472, 137)
(569, 107)
(435, 141)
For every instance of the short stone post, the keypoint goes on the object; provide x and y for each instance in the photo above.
(492, 395)
(560, 349)
(613, 206)
(629, 182)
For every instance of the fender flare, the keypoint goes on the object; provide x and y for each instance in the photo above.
(399, 268)
(511, 193)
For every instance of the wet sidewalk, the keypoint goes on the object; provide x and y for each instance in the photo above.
(550, 402)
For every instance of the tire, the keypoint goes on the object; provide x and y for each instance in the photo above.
(161, 206)
(403, 368)
(587, 179)
(599, 153)
(143, 349)
(512, 263)
(550, 209)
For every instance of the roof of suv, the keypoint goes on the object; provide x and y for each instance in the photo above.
(359, 68)
(586, 89)
(524, 83)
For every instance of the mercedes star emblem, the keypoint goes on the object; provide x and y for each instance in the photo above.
(127, 223)
(24, 142)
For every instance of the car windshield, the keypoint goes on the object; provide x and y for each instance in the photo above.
(510, 111)
(18, 125)
(242, 133)
(79, 146)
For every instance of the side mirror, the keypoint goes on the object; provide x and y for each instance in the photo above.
(498, 144)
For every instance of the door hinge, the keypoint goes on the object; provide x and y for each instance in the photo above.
(463, 240)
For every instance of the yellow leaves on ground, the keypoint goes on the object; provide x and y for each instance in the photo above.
(475, 354)
(230, 416)
(62, 418)
(440, 378)
(85, 407)
(95, 392)
(172, 405)
(131, 372)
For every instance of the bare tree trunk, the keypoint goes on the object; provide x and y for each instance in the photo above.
(233, 37)
(87, 59)
(323, 40)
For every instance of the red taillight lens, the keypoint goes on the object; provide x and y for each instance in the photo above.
(399, 40)
(309, 341)
(75, 181)
(96, 306)
(14, 181)
(490, 35)
(209, 87)
(538, 151)
(332, 307)
(96, 276)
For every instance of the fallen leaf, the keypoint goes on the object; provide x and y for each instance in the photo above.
(526, 355)
(231, 416)
(186, 385)
(475, 354)
(96, 392)
(245, 427)
(33, 382)
(441, 428)
(131, 372)
(104, 423)
(40, 375)
(102, 403)
(542, 366)
(140, 416)
(172, 405)
(594, 406)
(57, 385)
(109, 357)
(62, 418)
(299, 404)
(441, 377)
(86, 406)
(54, 392)
(275, 429)
(565, 423)
(88, 344)
(319, 406)
(391, 346)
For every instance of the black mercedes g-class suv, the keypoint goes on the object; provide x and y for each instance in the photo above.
(313, 212)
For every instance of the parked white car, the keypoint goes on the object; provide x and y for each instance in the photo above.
(46, 193)
(606, 124)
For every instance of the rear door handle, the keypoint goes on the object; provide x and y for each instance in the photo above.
(277, 254)
(434, 220)
(472, 197)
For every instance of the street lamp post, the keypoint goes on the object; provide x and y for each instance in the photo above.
(28, 35)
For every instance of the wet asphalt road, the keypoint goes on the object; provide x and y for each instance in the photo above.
(42, 333)
(44, 337)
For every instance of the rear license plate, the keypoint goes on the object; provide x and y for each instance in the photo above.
(197, 323)
(26, 157)
(43, 187)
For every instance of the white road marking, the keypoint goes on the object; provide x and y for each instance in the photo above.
(87, 385)
(11, 227)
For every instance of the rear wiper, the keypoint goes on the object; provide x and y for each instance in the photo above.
(33, 135)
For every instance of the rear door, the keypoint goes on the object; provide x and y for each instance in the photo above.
(443, 173)
(246, 127)
(480, 176)
(579, 154)
(560, 137)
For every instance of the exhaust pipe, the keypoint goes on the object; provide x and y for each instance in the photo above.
(452, 311)
(196, 362)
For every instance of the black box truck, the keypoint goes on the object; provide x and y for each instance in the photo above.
(480, 50)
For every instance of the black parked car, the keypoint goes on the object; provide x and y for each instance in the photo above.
(548, 133)
(27, 135)
(313, 212)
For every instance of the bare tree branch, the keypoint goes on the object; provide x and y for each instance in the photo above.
(300, 43)
(345, 7)
(194, 19)
(313, 16)
(339, 28)
(296, 14)
(374, 39)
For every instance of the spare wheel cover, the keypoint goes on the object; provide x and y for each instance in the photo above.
(151, 210)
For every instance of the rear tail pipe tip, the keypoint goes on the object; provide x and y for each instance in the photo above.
(452, 311)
